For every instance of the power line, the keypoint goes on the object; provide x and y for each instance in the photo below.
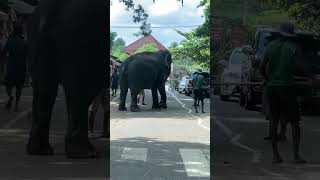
(156, 27)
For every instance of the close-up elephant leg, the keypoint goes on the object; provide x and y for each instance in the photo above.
(123, 92)
(123, 97)
(134, 106)
(155, 98)
(45, 89)
(77, 144)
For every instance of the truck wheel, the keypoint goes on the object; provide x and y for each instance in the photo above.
(224, 98)
(248, 105)
(241, 100)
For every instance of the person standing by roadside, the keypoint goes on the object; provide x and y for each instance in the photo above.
(198, 92)
(141, 96)
(282, 58)
(16, 51)
(101, 99)
(114, 82)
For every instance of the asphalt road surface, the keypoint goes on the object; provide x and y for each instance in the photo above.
(169, 144)
(241, 153)
(15, 164)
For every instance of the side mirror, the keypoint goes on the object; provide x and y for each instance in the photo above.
(247, 49)
(256, 62)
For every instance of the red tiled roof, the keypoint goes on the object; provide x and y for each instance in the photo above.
(130, 49)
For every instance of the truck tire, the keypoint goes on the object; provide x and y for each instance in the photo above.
(241, 99)
(248, 104)
(224, 98)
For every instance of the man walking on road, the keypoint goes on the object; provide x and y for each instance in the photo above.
(141, 96)
(283, 56)
(16, 50)
(197, 85)
(114, 82)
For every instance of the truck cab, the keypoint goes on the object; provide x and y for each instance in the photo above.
(251, 95)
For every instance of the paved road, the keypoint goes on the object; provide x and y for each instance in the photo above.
(170, 144)
(240, 153)
(15, 164)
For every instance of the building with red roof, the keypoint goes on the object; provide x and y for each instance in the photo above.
(130, 49)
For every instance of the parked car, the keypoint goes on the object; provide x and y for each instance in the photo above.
(232, 74)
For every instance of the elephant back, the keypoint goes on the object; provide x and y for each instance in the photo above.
(142, 70)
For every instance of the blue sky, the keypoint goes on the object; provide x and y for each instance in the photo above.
(161, 13)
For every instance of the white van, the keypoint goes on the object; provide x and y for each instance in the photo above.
(184, 83)
(232, 74)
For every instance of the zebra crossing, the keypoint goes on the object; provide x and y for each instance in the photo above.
(191, 163)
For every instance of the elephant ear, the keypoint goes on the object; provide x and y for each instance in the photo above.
(166, 58)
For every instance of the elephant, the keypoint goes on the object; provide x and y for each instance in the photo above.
(68, 46)
(145, 70)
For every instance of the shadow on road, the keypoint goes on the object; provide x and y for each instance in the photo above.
(16, 164)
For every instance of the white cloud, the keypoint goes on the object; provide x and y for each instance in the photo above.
(116, 11)
(161, 13)
(163, 7)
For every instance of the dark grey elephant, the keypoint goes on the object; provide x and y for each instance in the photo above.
(146, 70)
(68, 45)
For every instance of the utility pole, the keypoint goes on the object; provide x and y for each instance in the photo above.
(244, 12)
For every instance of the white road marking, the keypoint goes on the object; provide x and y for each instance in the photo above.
(200, 121)
(17, 118)
(195, 163)
(234, 139)
(136, 154)
(114, 99)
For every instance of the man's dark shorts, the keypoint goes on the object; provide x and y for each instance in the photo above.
(282, 100)
(198, 94)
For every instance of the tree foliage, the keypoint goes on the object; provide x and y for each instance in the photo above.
(196, 44)
(195, 47)
(305, 12)
(113, 36)
(119, 43)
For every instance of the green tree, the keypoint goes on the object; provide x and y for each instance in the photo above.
(113, 36)
(119, 43)
(305, 12)
(196, 45)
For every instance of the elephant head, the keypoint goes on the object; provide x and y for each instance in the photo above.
(165, 59)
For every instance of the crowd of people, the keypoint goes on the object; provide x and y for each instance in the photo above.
(15, 53)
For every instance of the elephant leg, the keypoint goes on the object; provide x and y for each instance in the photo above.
(106, 116)
(78, 99)
(134, 106)
(123, 97)
(155, 98)
(163, 95)
(45, 88)
(123, 93)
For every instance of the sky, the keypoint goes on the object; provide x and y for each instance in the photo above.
(161, 13)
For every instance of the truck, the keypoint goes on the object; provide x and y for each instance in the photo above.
(252, 80)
